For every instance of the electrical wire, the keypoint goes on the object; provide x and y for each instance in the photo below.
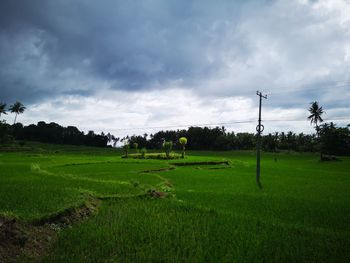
(225, 123)
(343, 83)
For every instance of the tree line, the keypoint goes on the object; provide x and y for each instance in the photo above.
(329, 138)
(48, 132)
(52, 133)
(218, 138)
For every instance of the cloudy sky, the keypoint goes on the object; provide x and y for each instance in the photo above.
(124, 66)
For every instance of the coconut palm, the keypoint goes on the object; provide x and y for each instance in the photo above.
(2, 108)
(17, 108)
(315, 116)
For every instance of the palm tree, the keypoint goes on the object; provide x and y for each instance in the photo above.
(17, 108)
(2, 108)
(315, 116)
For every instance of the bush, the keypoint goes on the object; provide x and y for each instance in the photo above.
(126, 147)
(334, 140)
(183, 142)
(7, 139)
(136, 145)
(143, 153)
(167, 146)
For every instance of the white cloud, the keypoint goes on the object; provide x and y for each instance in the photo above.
(122, 113)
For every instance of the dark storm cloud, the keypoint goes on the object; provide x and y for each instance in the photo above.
(130, 44)
(218, 48)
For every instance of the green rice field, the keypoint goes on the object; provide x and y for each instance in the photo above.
(208, 213)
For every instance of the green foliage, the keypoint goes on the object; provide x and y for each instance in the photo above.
(167, 146)
(17, 108)
(136, 145)
(159, 156)
(334, 140)
(183, 142)
(197, 138)
(5, 136)
(126, 147)
(315, 114)
(55, 133)
(206, 138)
(143, 152)
(7, 139)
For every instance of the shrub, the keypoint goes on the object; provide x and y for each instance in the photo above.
(136, 145)
(183, 142)
(167, 146)
(126, 147)
(7, 139)
(143, 153)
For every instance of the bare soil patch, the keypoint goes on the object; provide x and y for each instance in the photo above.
(22, 239)
(30, 241)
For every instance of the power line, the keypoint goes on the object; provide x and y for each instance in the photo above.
(187, 125)
(225, 123)
(246, 121)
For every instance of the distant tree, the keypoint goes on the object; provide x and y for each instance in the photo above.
(139, 140)
(143, 152)
(315, 115)
(115, 140)
(305, 143)
(112, 139)
(270, 142)
(136, 145)
(167, 146)
(291, 141)
(126, 147)
(334, 140)
(109, 137)
(183, 142)
(2, 108)
(17, 108)
(5, 133)
(245, 141)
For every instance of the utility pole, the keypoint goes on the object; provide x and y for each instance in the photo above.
(259, 129)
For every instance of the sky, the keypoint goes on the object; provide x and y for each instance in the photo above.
(138, 66)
